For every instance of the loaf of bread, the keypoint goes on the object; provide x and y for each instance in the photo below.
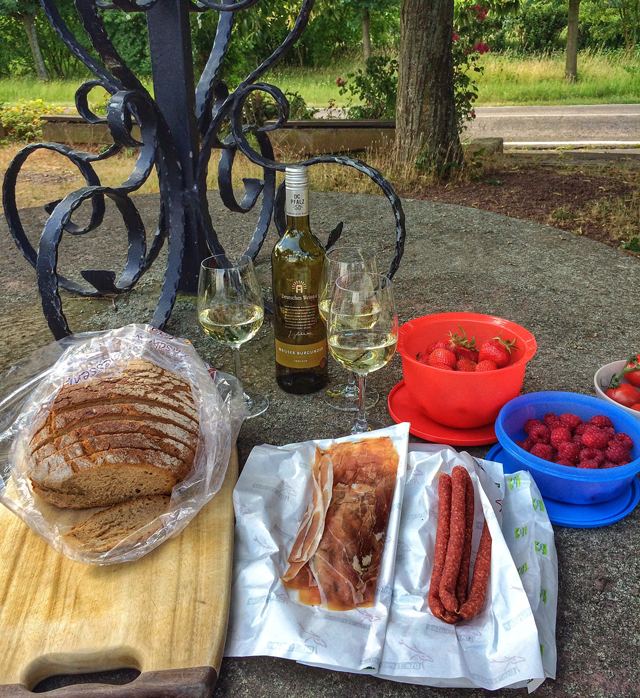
(115, 438)
(104, 530)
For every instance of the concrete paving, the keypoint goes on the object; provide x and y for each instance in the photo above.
(579, 299)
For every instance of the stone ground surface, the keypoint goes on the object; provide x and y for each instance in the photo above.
(575, 295)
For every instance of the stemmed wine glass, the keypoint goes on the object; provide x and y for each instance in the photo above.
(357, 341)
(338, 262)
(231, 310)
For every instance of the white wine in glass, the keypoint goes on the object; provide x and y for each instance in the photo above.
(338, 262)
(354, 342)
(231, 311)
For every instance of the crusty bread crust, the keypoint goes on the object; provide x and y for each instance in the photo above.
(114, 438)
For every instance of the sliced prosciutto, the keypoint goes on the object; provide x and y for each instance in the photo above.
(342, 572)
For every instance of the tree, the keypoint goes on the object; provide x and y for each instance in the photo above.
(25, 10)
(364, 7)
(426, 108)
(571, 65)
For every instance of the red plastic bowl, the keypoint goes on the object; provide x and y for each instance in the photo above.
(454, 398)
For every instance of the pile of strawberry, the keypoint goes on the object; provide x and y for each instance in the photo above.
(460, 354)
(567, 440)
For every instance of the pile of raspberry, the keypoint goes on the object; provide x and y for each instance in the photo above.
(567, 440)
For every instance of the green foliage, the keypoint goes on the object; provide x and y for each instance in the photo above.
(377, 89)
(21, 120)
(260, 108)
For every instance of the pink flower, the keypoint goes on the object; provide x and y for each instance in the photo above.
(481, 48)
(455, 37)
(339, 82)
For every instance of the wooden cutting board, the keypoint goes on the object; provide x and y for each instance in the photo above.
(165, 614)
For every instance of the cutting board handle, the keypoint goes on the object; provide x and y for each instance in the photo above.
(197, 682)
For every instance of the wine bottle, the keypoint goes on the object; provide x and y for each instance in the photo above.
(296, 262)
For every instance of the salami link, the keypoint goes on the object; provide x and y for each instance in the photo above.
(442, 539)
(481, 571)
(456, 539)
(462, 585)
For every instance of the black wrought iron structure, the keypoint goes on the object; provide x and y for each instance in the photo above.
(179, 129)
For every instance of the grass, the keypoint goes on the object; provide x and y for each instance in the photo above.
(508, 79)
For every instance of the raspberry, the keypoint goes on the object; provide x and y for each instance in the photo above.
(581, 428)
(568, 463)
(624, 439)
(617, 452)
(625, 462)
(543, 451)
(589, 464)
(560, 435)
(609, 432)
(527, 444)
(568, 451)
(466, 365)
(550, 420)
(539, 434)
(571, 420)
(594, 438)
(577, 439)
(601, 421)
(592, 454)
(609, 464)
(531, 423)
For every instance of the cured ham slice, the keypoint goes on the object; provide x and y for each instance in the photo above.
(342, 572)
(312, 525)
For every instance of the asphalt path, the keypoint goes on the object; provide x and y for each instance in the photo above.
(603, 125)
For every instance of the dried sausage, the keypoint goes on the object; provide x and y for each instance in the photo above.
(462, 585)
(442, 539)
(481, 571)
(456, 539)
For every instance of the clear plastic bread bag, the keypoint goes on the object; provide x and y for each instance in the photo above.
(27, 392)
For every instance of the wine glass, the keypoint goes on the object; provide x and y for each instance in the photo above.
(357, 341)
(231, 310)
(338, 262)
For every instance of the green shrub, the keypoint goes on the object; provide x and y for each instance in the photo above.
(21, 120)
(377, 89)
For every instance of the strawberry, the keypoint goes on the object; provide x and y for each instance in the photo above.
(594, 438)
(559, 435)
(486, 365)
(463, 347)
(497, 350)
(543, 451)
(466, 365)
(571, 420)
(442, 356)
(601, 421)
(442, 367)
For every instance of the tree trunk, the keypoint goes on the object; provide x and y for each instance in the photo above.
(571, 68)
(366, 35)
(30, 27)
(426, 108)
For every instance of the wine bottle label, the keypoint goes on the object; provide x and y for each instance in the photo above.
(301, 355)
(297, 203)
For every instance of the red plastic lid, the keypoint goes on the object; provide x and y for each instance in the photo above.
(403, 409)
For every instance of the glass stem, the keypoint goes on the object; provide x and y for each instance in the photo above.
(351, 389)
(361, 424)
(236, 361)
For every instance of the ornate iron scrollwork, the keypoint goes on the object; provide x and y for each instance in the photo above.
(178, 134)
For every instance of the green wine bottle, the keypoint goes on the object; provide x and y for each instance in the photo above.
(296, 263)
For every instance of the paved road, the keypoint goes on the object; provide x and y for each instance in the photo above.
(601, 125)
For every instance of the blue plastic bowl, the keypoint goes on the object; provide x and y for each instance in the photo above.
(562, 482)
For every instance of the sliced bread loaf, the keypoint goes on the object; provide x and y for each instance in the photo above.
(102, 531)
(114, 438)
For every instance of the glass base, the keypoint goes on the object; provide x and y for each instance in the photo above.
(255, 404)
(345, 397)
(372, 425)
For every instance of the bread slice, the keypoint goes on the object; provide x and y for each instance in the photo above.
(104, 530)
(114, 438)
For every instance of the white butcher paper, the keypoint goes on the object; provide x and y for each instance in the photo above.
(270, 498)
(511, 642)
